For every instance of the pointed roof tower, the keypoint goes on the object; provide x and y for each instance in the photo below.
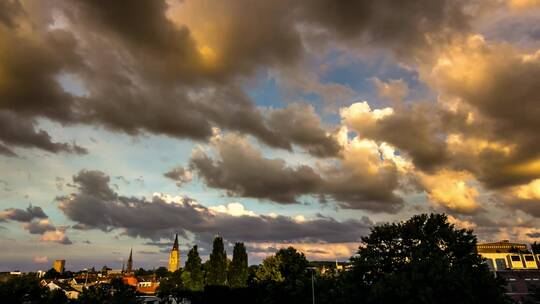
(175, 246)
(130, 262)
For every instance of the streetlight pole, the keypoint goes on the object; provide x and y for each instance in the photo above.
(312, 283)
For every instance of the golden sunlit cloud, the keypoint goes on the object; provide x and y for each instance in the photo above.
(523, 4)
(452, 190)
(530, 191)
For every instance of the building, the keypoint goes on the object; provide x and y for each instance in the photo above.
(505, 255)
(174, 256)
(516, 264)
(59, 265)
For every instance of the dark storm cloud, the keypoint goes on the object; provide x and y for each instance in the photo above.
(241, 170)
(22, 215)
(158, 218)
(403, 26)
(141, 57)
(29, 70)
(16, 131)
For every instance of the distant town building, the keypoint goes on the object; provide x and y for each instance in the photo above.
(59, 265)
(516, 264)
(174, 256)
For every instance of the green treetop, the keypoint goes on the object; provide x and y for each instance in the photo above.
(238, 269)
(193, 276)
(217, 264)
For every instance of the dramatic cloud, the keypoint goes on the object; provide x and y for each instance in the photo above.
(161, 217)
(361, 180)
(242, 170)
(500, 98)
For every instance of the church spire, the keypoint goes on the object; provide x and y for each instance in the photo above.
(175, 246)
(174, 256)
(130, 262)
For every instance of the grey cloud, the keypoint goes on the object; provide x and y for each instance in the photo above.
(20, 132)
(534, 235)
(402, 26)
(302, 126)
(21, 215)
(156, 219)
(178, 174)
(38, 227)
(241, 170)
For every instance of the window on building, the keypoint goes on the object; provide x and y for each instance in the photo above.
(515, 258)
(501, 264)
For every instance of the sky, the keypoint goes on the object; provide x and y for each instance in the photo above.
(273, 123)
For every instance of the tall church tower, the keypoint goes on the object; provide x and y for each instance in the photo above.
(174, 256)
(130, 262)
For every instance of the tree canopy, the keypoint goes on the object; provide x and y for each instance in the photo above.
(422, 260)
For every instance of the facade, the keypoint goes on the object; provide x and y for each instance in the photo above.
(174, 256)
(59, 265)
(505, 255)
(513, 262)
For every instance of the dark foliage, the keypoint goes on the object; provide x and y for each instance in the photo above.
(238, 269)
(217, 264)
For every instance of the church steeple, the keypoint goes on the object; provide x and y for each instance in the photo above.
(130, 262)
(175, 245)
(174, 256)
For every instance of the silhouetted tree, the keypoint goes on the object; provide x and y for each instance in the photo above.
(172, 286)
(22, 289)
(161, 272)
(51, 274)
(238, 269)
(193, 276)
(114, 293)
(422, 260)
(217, 271)
(535, 247)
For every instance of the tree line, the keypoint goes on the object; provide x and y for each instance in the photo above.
(424, 259)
